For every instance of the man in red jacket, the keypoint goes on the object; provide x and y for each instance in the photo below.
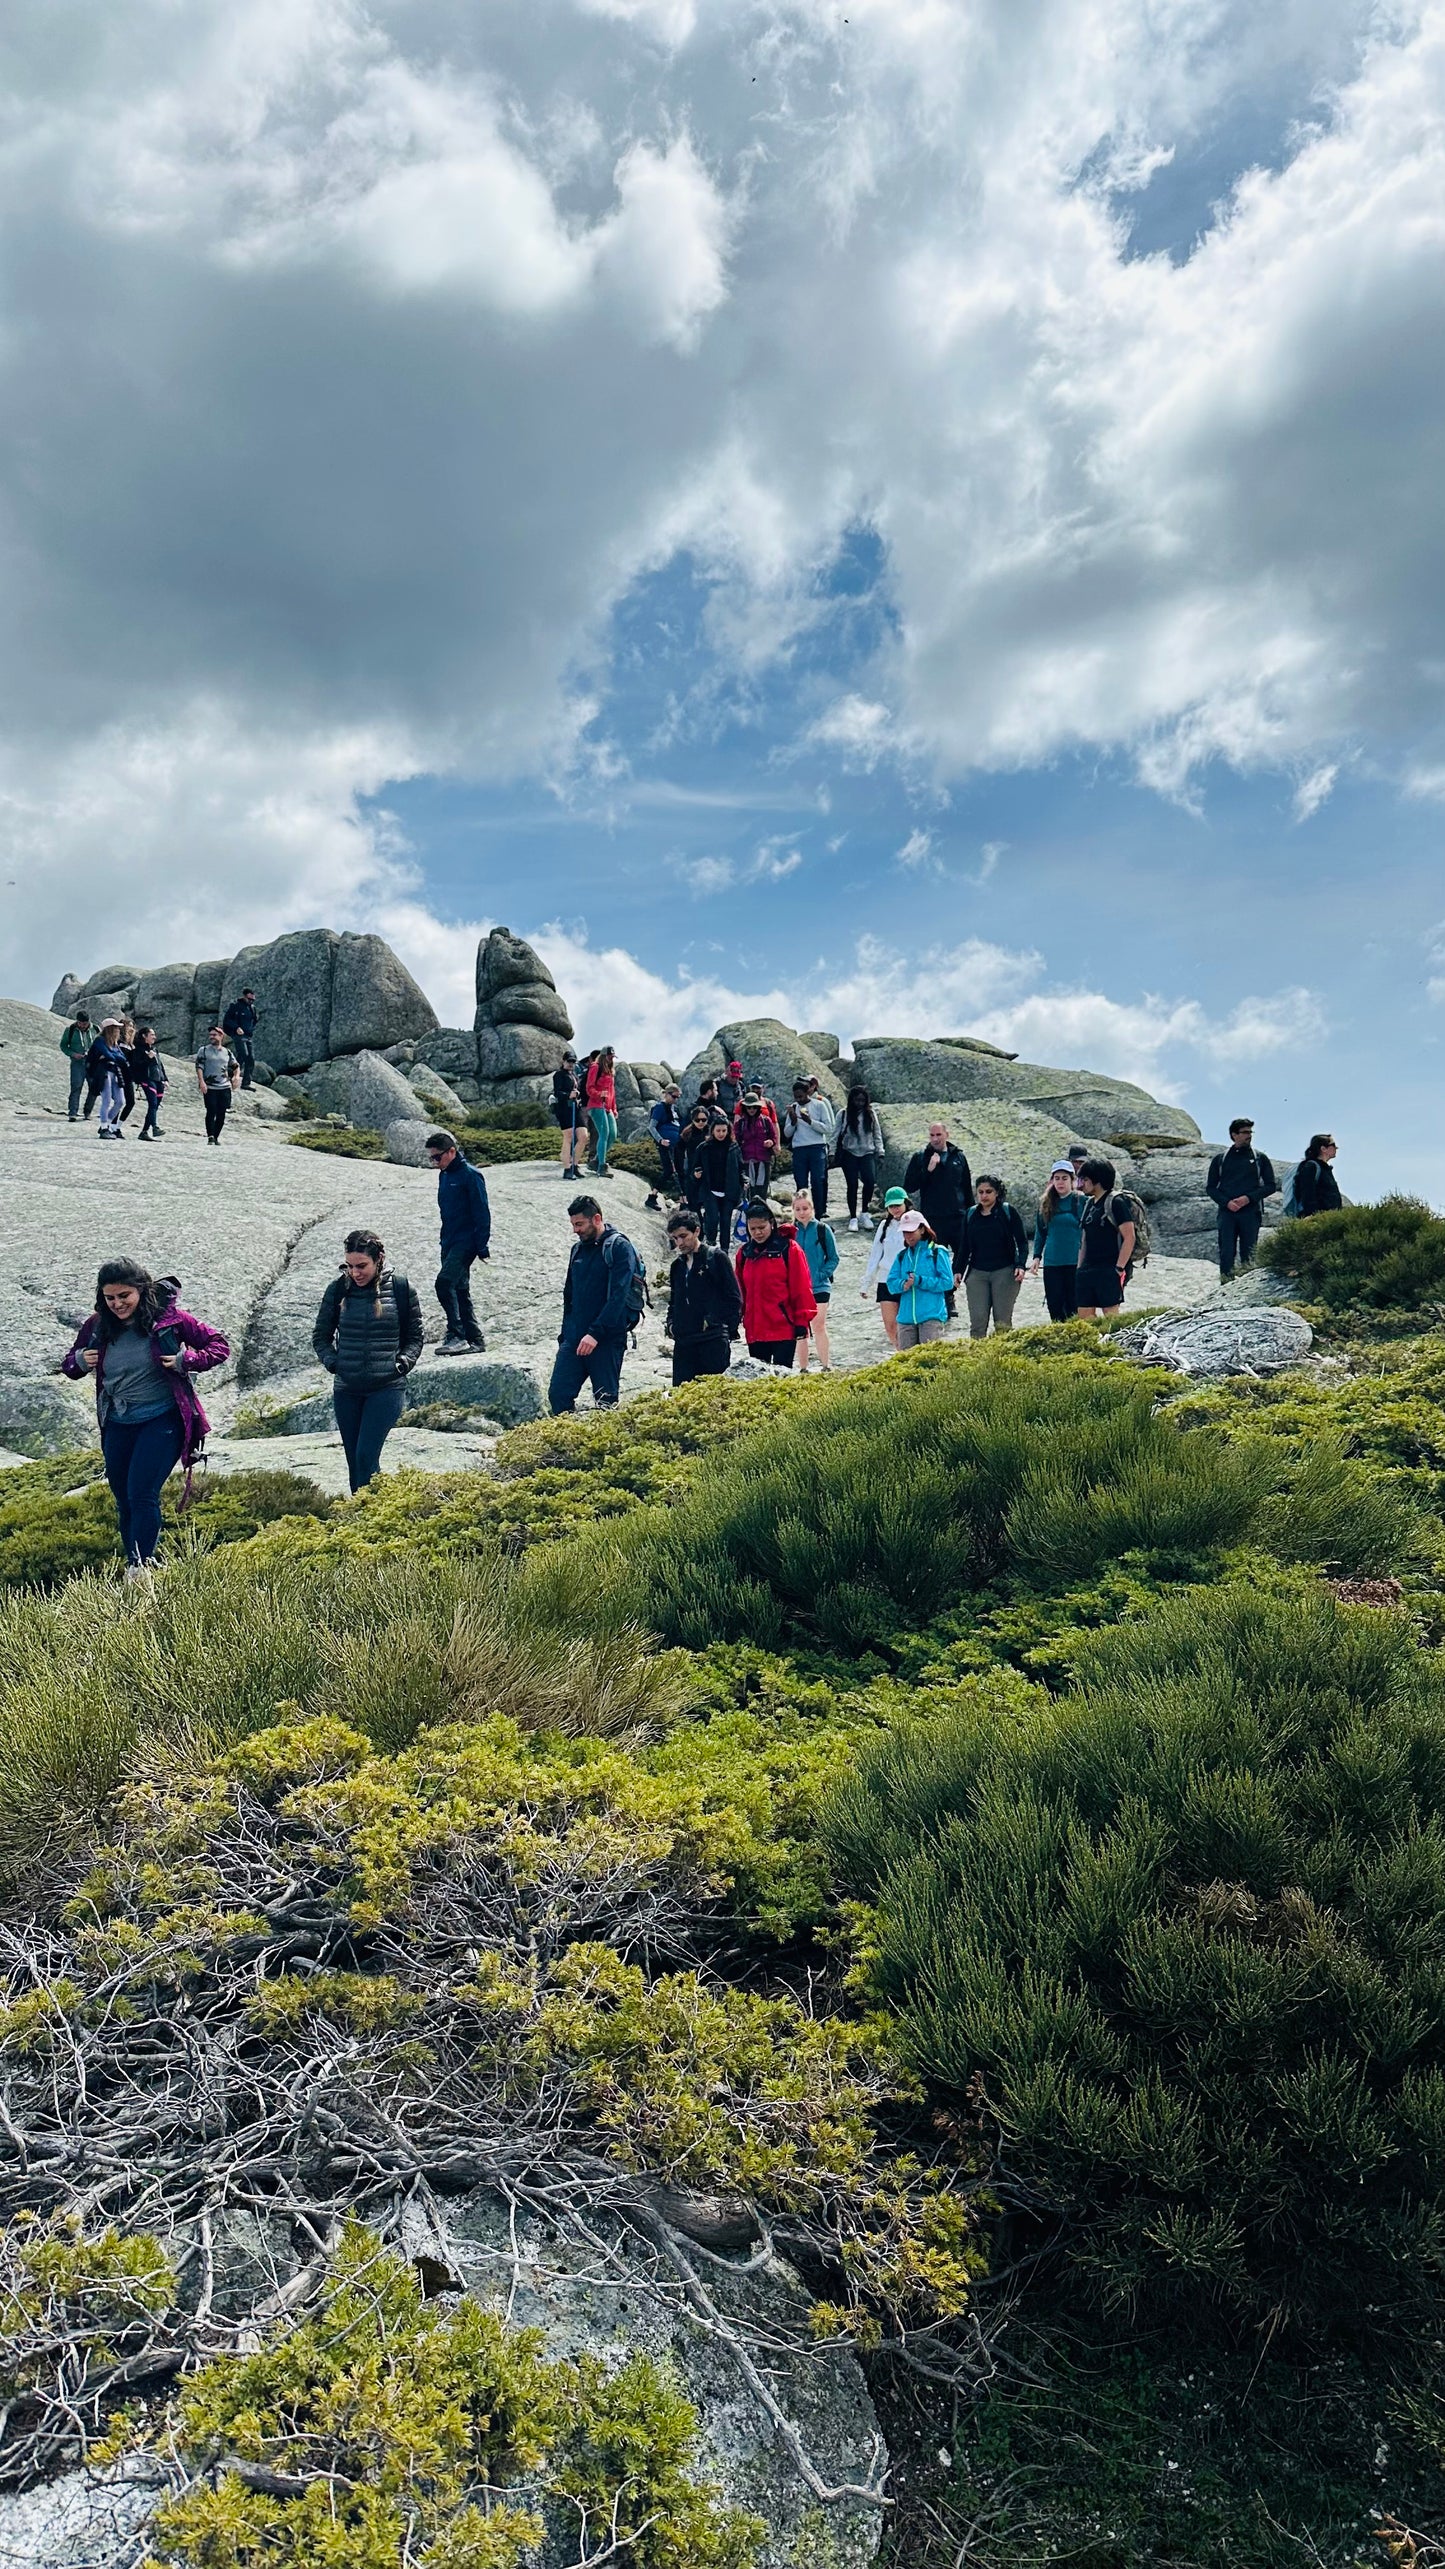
(777, 1290)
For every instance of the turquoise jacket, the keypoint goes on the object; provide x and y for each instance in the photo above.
(919, 1279)
(819, 1247)
(1059, 1245)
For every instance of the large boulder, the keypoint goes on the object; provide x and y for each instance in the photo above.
(374, 1000)
(111, 977)
(206, 1000)
(406, 1142)
(379, 1095)
(69, 992)
(1115, 1108)
(827, 1047)
(516, 1052)
(292, 980)
(1209, 1345)
(33, 1069)
(436, 1096)
(45, 1415)
(108, 1003)
(505, 962)
(532, 1003)
(501, 1391)
(902, 1070)
(1016, 1143)
(770, 1052)
(452, 1050)
(166, 999)
(534, 1090)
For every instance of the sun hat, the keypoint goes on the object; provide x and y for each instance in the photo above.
(895, 1195)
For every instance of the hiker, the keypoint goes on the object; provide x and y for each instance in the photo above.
(126, 1040)
(860, 1149)
(995, 1257)
(218, 1076)
(368, 1336)
(570, 1112)
(810, 1127)
(716, 1179)
(1056, 1240)
(695, 1133)
(1107, 1236)
(777, 1291)
(940, 1179)
(920, 1281)
(601, 1094)
(665, 1125)
(1316, 1188)
(149, 1073)
(820, 1248)
(1239, 1181)
(143, 1350)
(466, 1233)
(602, 1299)
(755, 1124)
(887, 1241)
(104, 1067)
(730, 1089)
(704, 1302)
(75, 1043)
(239, 1022)
(706, 1097)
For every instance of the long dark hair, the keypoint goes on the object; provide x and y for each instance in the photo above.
(858, 1110)
(1317, 1143)
(366, 1244)
(156, 1296)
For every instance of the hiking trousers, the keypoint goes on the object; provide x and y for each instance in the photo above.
(139, 1460)
(366, 1419)
(810, 1169)
(454, 1293)
(991, 1291)
(1237, 1232)
(858, 1169)
(710, 1354)
(1061, 1292)
(77, 1085)
(603, 1369)
(218, 1107)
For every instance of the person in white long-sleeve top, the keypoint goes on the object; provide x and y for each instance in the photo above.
(887, 1241)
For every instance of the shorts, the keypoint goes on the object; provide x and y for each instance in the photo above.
(1100, 1288)
(821, 1296)
(885, 1296)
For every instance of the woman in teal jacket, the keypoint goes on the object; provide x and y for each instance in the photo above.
(921, 1280)
(1056, 1240)
(819, 1247)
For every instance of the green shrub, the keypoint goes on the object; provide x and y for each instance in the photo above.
(527, 1116)
(342, 1141)
(1386, 1258)
(1184, 1931)
(47, 1535)
(502, 1145)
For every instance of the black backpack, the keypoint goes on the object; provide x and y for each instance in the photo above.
(639, 1293)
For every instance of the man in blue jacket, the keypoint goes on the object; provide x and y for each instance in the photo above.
(601, 1302)
(466, 1234)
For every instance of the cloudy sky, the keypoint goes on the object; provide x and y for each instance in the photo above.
(909, 514)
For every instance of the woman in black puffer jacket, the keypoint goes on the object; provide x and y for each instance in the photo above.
(368, 1336)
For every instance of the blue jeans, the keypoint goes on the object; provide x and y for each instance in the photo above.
(139, 1460)
(366, 1419)
(603, 1367)
(604, 1131)
(454, 1293)
(152, 1098)
(810, 1169)
(77, 1084)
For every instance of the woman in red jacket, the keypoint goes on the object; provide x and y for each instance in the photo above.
(778, 1298)
(601, 1086)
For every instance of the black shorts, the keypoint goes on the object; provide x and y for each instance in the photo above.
(885, 1296)
(1100, 1288)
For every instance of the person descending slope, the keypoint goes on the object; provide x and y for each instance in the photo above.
(995, 1254)
(920, 1281)
(142, 1351)
(602, 1301)
(887, 1241)
(570, 1113)
(218, 1076)
(105, 1068)
(75, 1043)
(704, 1303)
(1107, 1237)
(860, 1153)
(368, 1336)
(1056, 1240)
(664, 1122)
(756, 1125)
(466, 1233)
(819, 1247)
(777, 1291)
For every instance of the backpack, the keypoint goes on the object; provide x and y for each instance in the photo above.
(639, 1292)
(1289, 1210)
(1143, 1236)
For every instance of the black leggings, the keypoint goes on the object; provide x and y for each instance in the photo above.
(773, 1351)
(858, 1180)
(1061, 1292)
(218, 1102)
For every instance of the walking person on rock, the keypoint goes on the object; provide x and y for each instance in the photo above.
(810, 1128)
(820, 1248)
(142, 1351)
(778, 1301)
(1239, 1182)
(75, 1043)
(149, 1073)
(756, 1125)
(105, 1067)
(466, 1233)
(665, 1125)
(704, 1303)
(921, 1283)
(602, 1301)
(861, 1149)
(995, 1256)
(601, 1085)
(239, 1024)
(1057, 1227)
(218, 1076)
(368, 1335)
(887, 1241)
(1107, 1236)
(570, 1112)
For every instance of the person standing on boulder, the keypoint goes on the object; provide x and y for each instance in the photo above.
(778, 1301)
(239, 1022)
(466, 1233)
(1239, 1182)
(218, 1076)
(568, 1108)
(602, 1107)
(1316, 1188)
(75, 1043)
(142, 1351)
(368, 1335)
(861, 1151)
(810, 1128)
(704, 1303)
(602, 1300)
(995, 1256)
(105, 1066)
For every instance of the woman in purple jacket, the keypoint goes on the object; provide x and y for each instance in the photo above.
(143, 1351)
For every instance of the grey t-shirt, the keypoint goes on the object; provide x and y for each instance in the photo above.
(133, 1386)
(215, 1062)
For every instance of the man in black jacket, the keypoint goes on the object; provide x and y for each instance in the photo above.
(941, 1183)
(705, 1303)
(239, 1022)
(1239, 1181)
(601, 1302)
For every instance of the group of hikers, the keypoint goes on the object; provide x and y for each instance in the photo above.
(941, 1228)
(114, 1063)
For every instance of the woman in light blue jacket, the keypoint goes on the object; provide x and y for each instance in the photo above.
(819, 1247)
(921, 1280)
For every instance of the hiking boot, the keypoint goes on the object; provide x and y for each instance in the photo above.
(477, 1346)
(454, 1347)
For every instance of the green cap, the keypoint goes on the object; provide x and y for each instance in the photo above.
(895, 1195)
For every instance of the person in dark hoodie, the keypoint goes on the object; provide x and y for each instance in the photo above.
(149, 1073)
(1316, 1188)
(1240, 1181)
(716, 1167)
(704, 1304)
(601, 1301)
(141, 1351)
(466, 1233)
(939, 1179)
(368, 1336)
(997, 1253)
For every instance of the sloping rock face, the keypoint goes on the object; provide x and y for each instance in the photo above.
(374, 1000)
(770, 1053)
(904, 1071)
(522, 1025)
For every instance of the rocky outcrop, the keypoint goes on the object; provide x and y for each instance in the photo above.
(318, 994)
(522, 1025)
(770, 1053)
(1017, 1143)
(1172, 1185)
(437, 1096)
(1209, 1345)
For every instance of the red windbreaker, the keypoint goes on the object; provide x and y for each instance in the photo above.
(778, 1297)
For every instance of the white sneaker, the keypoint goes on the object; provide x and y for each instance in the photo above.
(853, 1222)
(454, 1347)
(139, 1574)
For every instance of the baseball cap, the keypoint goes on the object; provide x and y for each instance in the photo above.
(910, 1221)
(1062, 1168)
(895, 1196)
